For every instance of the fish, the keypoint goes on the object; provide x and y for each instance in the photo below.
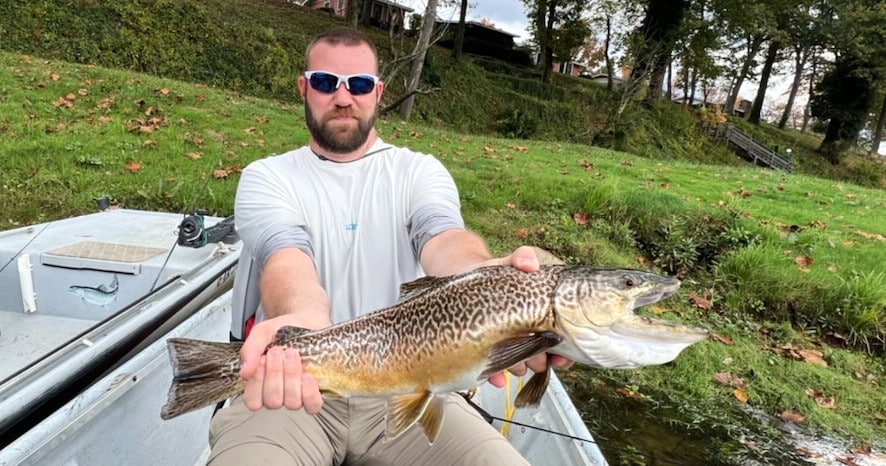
(447, 334)
(101, 295)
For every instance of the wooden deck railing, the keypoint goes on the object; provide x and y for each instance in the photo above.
(751, 149)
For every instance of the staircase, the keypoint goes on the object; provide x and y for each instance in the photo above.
(750, 149)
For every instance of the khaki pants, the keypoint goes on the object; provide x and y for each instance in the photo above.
(351, 431)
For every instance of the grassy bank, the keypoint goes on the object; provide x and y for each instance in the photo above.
(784, 269)
(255, 46)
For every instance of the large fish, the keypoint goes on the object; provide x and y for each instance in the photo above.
(448, 334)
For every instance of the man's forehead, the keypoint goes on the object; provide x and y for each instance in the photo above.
(355, 54)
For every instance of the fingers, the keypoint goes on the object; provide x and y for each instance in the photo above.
(279, 382)
(524, 258)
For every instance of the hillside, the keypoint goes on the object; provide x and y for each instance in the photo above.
(256, 47)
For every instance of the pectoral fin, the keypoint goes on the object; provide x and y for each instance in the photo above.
(531, 393)
(424, 407)
(510, 351)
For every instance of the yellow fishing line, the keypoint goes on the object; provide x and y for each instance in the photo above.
(510, 409)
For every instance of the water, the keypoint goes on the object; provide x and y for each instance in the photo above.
(635, 430)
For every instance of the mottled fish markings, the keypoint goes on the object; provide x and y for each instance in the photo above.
(450, 333)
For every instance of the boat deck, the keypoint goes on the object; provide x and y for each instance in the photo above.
(26, 338)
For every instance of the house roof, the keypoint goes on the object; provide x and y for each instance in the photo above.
(395, 5)
(479, 24)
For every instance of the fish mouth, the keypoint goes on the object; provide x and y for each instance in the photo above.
(634, 342)
(670, 287)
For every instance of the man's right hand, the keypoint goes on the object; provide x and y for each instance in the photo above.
(275, 379)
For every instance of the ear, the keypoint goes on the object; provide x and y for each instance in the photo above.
(380, 89)
(302, 86)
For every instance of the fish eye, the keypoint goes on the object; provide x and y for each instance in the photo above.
(628, 282)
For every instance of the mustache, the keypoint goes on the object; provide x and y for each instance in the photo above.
(341, 112)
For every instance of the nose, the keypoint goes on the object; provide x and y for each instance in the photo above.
(342, 97)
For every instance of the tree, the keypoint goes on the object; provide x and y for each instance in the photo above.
(845, 96)
(556, 25)
(658, 34)
(460, 33)
(418, 59)
(842, 98)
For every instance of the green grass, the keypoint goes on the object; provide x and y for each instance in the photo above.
(734, 231)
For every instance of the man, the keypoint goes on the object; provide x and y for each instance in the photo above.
(335, 228)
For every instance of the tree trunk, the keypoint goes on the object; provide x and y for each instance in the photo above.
(365, 12)
(549, 36)
(609, 70)
(541, 7)
(878, 132)
(800, 56)
(663, 19)
(460, 34)
(754, 44)
(757, 109)
(354, 12)
(807, 112)
(418, 60)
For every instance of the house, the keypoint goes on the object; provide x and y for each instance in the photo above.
(479, 33)
(383, 14)
(603, 79)
(568, 67)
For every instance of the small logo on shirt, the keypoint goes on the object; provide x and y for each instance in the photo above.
(351, 226)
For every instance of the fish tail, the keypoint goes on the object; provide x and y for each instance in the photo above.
(203, 373)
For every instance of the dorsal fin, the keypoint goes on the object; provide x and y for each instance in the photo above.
(419, 286)
(286, 334)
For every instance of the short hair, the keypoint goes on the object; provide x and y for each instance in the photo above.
(342, 36)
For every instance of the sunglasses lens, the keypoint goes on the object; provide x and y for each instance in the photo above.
(359, 85)
(324, 82)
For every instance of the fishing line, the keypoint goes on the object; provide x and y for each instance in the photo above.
(14, 256)
(175, 243)
(489, 418)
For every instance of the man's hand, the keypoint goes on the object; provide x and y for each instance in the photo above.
(275, 379)
(525, 259)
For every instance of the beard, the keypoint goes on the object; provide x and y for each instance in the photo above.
(340, 139)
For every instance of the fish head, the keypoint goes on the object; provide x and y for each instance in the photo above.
(594, 309)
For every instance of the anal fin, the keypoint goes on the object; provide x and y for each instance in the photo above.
(531, 393)
(432, 419)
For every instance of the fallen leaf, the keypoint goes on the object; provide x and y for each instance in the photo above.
(740, 395)
(812, 356)
(250, 130)
(818, 224)
(791, 415)
(872, 236)
(83, 92)
(219, 174)
(164, 91)
(803, 261)
(488, 149)
(588, 166)
(743, 193)
(71, 96)
(193, 155)
(699, 301)
(133, 167)
(262, 119)
(822, 400)
(521, 233)
(580, 218)
(726, 378)
(511, 205)
(628, 163)
(628, 393)
(725, 340)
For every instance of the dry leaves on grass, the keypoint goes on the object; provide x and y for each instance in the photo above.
(822, 400)
(730, 380)
(132, 167)
(702, 301)
(811, 356)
